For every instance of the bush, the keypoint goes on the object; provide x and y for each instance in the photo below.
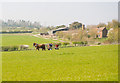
(5, 48)
(89, 36)
(74, 43)
(9, 48)
(65, 43)
(85, 43)
(13, 48)
(80, 43)
(59, 44)
(107, 42)
(114, 36)
(99, 43)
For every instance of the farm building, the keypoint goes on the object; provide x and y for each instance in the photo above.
(59, 29)
(101, 32)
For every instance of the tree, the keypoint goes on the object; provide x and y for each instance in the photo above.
(20, 23)
(113, 24)
(113, 36)
(93, 33)
(101, 25)
(61, 26)
(75, 25)
(80, 36)
(60, 34)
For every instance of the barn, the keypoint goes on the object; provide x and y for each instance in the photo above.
(59, 29)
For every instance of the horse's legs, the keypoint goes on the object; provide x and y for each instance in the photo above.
(43, 49)
(20, 48)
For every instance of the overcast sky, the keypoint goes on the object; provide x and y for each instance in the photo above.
(58, 13)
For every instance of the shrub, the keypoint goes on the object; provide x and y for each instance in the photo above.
(59, 44)
(13, 48)
(9, 48)
(65, 43)
(80, 43)
(89, 36)
(5, 48)
(85, 43)
(74, 43)
(107, 42)
(99, 43)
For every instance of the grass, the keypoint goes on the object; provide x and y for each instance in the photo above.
(95, 63)
(101, 39)
(11, 40)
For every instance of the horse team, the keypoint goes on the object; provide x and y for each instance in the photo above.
(43, 46)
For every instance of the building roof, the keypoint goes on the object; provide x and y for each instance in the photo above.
(61, 28)
(100, 29)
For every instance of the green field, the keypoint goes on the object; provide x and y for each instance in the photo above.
(11, 40)
(91, 63)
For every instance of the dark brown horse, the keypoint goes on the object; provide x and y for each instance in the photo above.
(37, 46)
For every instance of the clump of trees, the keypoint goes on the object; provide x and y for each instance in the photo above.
(80, 36)
(75, 25)
(61, 26)
(101, 25)
(113, 36)
(60, 34)
(20, 23)
(113, 24)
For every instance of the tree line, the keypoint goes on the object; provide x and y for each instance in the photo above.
(20, 23)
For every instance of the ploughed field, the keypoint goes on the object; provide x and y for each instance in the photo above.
(90, 63)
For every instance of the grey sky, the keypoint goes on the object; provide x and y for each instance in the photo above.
(58, 13)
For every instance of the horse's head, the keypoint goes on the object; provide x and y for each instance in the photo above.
(34, 44)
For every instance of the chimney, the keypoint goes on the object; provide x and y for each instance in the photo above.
(83, 27)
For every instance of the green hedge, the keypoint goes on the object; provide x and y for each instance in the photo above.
(65, 43)
(57, 44)
(81, 43)
(16, 32)
(9, 48)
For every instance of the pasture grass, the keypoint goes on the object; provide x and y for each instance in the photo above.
(18, 39)
(0, 67)
(94, 63)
